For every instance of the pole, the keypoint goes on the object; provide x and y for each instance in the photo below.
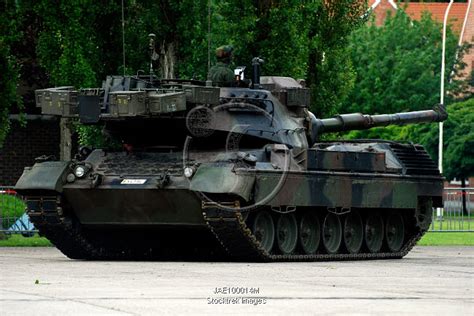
(208, 35)
(443, 70)
(439, 211)
(123, 37)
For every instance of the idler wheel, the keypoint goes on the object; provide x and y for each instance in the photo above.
(287, 233)
(332, 233)
(264, 230)
(374, 232)
(424, 214)
(353, 232)
(394, 232)
(309, 233)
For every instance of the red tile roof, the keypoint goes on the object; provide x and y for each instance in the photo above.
(437, 10)
(457, 14)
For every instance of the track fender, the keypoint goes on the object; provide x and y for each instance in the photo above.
(50, 175)
(222, 179)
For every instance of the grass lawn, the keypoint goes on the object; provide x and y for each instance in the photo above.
(447, 239)
(17, 240)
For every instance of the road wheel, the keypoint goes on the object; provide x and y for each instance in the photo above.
(332, 233)
(264, 230)
(374, 232)
(309, 233)
(394, 232)
(353, 232)
(287, 233)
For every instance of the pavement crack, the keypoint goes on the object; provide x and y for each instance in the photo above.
(49, 298)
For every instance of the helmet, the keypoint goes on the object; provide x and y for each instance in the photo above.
(224, 52)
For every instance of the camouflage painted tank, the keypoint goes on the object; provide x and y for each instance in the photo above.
(238, 173)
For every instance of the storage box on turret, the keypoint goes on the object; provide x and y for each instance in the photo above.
(127, 103)
(60, 101)
(201, 95)
(162, 102)
(294, 97)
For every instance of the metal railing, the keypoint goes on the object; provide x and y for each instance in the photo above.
(457, 215)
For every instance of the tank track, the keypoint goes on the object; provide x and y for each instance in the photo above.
(234, 235)
(67, 234)
(46, 214)
(230, 229)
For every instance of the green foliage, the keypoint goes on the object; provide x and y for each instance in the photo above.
(11, 208)
(301, 39)
(66, 44)
(255, 28)
(7, 89)
(459, 140)
(9, 69)
(78, 42)
(398, 69)
(92, 136)
(330, 72)
(398, 65)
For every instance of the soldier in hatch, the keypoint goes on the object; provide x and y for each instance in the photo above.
(220, 73)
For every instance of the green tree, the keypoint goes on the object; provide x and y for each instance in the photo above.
(66, 44)
(459, 141)
(398, 65)
(8, 95)
(301, 39)
(255, 28)
(398, 69)
(330, 73)
(9, 67)
(78, 42)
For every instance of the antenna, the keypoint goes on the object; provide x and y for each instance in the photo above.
(123, 38)
(208, 35)
(153, 55)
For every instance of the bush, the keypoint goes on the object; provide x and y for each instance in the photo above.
(11, 208)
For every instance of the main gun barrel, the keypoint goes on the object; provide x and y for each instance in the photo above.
(358, 121)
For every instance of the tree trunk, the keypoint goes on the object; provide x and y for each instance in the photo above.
(66, 139)
(167, 60)
(463, 196)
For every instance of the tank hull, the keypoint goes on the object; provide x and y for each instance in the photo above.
(142, 207)
(180, 224)
(150, 206)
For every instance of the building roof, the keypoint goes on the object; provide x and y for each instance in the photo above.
(460, 14)
(456, 17)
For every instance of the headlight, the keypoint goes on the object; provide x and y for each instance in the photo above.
(188, 172)
(80, 171)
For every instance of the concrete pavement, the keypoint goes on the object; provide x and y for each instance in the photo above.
(430, 280)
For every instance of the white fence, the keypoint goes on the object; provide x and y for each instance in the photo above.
(458, 212)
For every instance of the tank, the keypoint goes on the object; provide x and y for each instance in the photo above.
(201, 172)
